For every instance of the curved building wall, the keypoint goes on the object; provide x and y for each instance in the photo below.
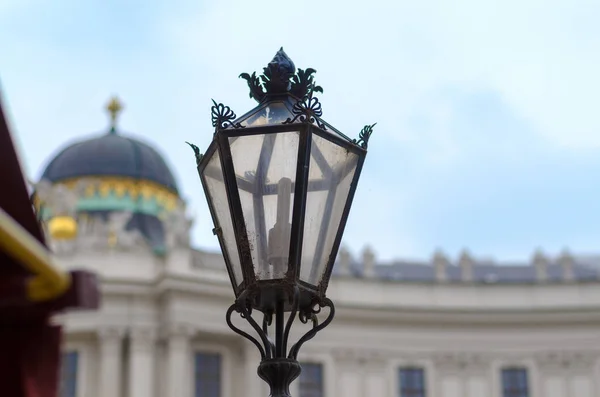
(161, 332)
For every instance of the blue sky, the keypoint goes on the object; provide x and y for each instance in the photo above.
(488, 134)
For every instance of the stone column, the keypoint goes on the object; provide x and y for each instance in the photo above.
(368, 258)
(179, 361)
(466, 267)
(567, 263)
(440, 264)
(540, 262)
(141, 362)
(344, 259)
(111, 356)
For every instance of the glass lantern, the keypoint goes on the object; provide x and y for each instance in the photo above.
(279, 183)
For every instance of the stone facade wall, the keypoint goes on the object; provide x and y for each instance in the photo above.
(157, 313)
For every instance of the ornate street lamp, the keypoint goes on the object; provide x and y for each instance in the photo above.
(279, 183)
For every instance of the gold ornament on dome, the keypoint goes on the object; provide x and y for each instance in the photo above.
(121, 186)
(62, 228)
(114, 108)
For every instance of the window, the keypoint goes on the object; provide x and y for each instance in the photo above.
(311, 380)
(412, 382)
(514, 382)
(68, 374)
(207, 375)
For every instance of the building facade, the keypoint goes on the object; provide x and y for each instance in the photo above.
(440, 328)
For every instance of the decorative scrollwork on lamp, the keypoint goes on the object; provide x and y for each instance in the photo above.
(307, 110)
(364, 136)
(222, 117)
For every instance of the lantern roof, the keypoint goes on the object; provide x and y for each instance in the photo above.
(284, 96)
(279, 78)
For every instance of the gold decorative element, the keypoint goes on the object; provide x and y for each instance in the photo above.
(62, 228)
(104, 189)
(119, 189)
(90, 191)
(114, 108)
(105, 186)
(112, 239)
(37, 203)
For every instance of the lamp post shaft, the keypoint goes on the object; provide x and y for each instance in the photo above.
(279, 371)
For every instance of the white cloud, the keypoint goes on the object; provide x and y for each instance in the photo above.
(540, 56)
(378, 61)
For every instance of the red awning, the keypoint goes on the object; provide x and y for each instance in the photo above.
(29, 345)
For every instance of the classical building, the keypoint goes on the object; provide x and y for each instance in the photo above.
(437, 328)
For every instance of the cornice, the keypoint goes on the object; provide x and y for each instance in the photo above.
(566, 360)
(470, 362)
(143, 338)
(359, 355)
(482, 317)
(178, 331)
(217, 286)
(213, 286)
(111, 333)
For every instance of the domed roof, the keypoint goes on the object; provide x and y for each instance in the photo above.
(110, 154)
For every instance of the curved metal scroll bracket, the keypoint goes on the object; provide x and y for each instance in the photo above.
(246, 335)
(291, 318)
(316, 327)
(267, 348)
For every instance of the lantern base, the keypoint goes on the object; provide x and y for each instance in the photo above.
(279, 373)
(265, 294)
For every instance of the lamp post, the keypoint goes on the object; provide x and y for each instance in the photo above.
(279, 183)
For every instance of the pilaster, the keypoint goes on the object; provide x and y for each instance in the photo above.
(179, 360)
(110, 380)
(141, 362)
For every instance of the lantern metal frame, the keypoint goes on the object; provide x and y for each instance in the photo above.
(275, 297)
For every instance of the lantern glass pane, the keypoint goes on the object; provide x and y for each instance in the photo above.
(265, 168)
(273, 113)
(215, 184)
(331, 171)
